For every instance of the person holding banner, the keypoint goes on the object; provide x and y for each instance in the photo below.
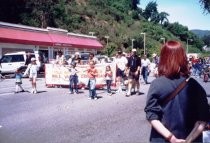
(92, 73)
(60, 59)
(92, 58)
(77, 59)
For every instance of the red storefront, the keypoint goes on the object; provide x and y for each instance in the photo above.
(15, 37)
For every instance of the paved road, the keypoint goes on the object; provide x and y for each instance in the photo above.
(54, 116)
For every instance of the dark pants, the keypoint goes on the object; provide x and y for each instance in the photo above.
(145, 74)
(108, 83)
(73, 83)
(92, 88)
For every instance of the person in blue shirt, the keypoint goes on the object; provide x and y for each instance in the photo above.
(18, 81)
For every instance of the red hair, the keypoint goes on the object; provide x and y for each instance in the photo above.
(173, 60)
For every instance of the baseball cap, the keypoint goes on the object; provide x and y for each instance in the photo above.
(119, 51)
(77, 53)
(133, 50)
(33, 59)
(154, 54)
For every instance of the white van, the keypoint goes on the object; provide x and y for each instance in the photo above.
(11, 61)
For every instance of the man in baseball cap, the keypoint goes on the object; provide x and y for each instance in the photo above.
(33, 59)
(134, 66)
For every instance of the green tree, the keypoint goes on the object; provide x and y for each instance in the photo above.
(40, 10)
(163, 17)
(206, 5)
(206, 40)
(150, 10)
(135, 4)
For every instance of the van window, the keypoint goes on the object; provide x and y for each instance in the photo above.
(12, 58)
(6, 59)
(17, 58)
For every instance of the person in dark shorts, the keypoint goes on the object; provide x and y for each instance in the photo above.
(121, 62)
(134, 66)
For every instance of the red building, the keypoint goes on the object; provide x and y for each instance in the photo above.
(15, 37)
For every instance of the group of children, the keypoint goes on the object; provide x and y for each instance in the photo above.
(92, 73)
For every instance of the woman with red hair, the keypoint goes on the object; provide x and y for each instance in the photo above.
(173, 121)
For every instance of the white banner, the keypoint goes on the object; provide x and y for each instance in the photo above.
(59, 75)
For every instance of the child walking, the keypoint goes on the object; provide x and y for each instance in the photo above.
(92, 73)
(73, 79)
(108, 77)
(18, 81)
(1, 77)
(32, 69)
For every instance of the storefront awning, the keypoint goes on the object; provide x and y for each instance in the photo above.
(60, 40)
(74, 41)
(85, 42)
(46, 38)
(18, 36)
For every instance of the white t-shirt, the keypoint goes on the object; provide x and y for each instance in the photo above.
(145, 62)
(121, 62)
(73, 71)
(32, 70)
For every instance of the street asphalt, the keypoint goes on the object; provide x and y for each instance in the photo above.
(55, 116)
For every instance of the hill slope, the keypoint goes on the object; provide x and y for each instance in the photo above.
(201, 33)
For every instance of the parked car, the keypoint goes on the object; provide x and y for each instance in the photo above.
(10, 62)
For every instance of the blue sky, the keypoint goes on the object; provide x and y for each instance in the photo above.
(187, 12)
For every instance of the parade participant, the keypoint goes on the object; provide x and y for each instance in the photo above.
(77, 59)
(155, 60)
(18, 81)
(92, 58)
(134, 66)
(108, 77)
(121, 62)
(145, 68)
(32, 70)
(69, 60)
(1, 76)
(28, 59)
(60, 59)
(172, 121)
(73, 79)
(92, 73)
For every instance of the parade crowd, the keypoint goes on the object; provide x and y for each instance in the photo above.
(176, 106)
(129, 69)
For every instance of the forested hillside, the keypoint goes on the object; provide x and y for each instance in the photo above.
(115, 22)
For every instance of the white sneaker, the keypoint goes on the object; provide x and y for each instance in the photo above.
(128, 94)
(35, 91)
(119, 91)
(32, 91)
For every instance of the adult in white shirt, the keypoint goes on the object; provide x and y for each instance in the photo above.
(32, 70)
(145, 62)
(121, 62)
